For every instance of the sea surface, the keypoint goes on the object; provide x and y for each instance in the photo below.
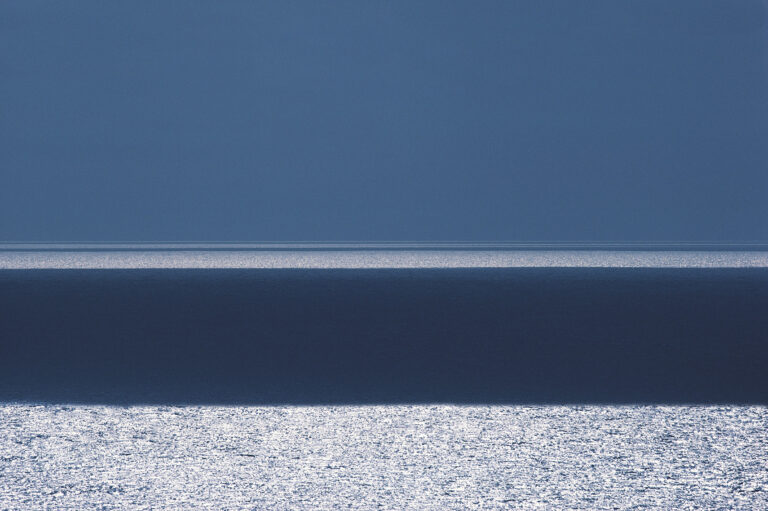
(383, 457)
(562, 377)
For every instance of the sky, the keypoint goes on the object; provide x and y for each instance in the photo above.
(445, 120)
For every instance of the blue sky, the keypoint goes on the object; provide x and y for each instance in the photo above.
(398, 120)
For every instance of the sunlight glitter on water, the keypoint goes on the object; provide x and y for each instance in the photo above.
(384, 457)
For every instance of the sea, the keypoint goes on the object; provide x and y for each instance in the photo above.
(383, 376)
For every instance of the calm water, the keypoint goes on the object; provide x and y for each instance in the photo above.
(390, 456)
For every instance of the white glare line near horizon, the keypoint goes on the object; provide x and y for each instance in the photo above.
(353, 245)
(379, 259)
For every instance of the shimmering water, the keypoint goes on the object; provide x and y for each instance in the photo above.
(384, 457)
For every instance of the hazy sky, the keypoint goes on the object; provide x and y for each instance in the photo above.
(383, 120)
